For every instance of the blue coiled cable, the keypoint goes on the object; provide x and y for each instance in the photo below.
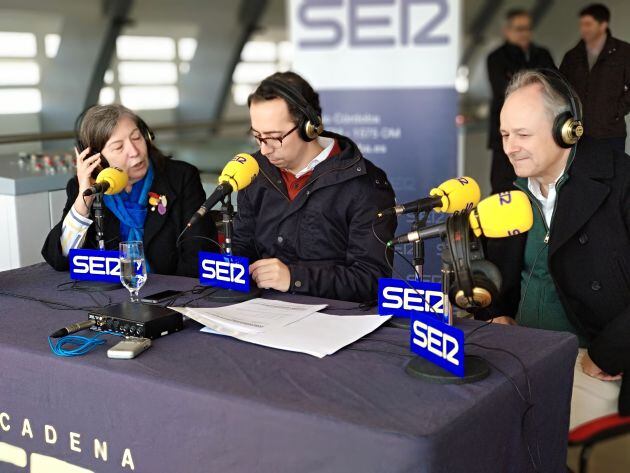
(82, 344)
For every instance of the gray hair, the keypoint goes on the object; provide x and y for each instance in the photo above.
(555, 102)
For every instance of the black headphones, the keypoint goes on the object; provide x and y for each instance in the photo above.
(310, 125)
(476, 281)
(145, 130)
(567, 126)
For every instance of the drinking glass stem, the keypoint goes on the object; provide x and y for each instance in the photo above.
(134, 295)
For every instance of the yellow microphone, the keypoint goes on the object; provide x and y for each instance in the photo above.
(239, 172)
(455, 195)
(236, 175)
(110, 181)
(500, 215)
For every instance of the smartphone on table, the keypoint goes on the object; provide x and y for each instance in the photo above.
(160, 296)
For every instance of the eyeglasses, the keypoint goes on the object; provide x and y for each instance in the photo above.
(273, 142)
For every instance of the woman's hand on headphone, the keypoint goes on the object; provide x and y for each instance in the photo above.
(85, 166)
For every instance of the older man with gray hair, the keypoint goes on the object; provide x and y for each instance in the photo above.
(571, 271)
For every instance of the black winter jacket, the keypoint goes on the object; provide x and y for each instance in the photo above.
(180, 183)
(604, 90)
(589, 257)
(325, 234)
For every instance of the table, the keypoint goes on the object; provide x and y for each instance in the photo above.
(196, 402)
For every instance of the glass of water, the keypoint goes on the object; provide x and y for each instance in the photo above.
(133, 271)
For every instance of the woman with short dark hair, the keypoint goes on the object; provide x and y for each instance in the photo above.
(160, 196)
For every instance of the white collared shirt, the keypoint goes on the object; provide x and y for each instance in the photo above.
(327, 144)
(593, 53)
(547, 203)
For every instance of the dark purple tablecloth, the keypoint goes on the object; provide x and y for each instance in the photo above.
(201, 403)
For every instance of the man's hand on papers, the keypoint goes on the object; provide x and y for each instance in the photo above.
(271, 273)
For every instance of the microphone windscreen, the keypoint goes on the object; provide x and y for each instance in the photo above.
(117, 179)
(502, 215)
(457, 195)
(240, 171)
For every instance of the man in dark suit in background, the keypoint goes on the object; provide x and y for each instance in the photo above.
(598, 68)
(517, 53)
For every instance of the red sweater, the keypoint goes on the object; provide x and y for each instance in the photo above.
(296, 184)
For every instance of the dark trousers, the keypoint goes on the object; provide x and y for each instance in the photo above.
(502, 174)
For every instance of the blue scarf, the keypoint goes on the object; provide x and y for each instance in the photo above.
(131, 207)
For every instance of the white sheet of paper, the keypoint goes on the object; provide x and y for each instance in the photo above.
(253, 316)
(317, 334)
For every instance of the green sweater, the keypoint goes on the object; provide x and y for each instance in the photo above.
(540, 305)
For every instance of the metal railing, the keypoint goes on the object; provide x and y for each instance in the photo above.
(212, 126)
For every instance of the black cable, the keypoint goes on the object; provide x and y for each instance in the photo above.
(507, 352)
(529, 405)
(381, 340)
(364, 307)
(528, 401)
(108, 299)
(195, 290)
(178, 242)
(431, 309)
(74, 286)
(55, 305)
(376, 236)
(391, 266)
(205, 295)
(60, 287)
(381, 351)
(484, 325)
(391, 263)
(89, 291)
(180, 235)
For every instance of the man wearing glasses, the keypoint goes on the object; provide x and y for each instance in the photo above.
(516, 53)
(308, 220)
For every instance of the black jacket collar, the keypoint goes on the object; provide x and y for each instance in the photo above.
(161, 186)
(344, 166)
(593, 160)
(516, 52)
(584, 191)
(610, 47)
(347, 164)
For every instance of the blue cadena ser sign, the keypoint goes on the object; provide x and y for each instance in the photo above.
(438, 342)
(226, 271)
(94, 265)
(406, 298)
(431, 336)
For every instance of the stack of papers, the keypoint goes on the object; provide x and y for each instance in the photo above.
(285, 325)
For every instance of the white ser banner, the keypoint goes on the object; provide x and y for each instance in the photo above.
(381, 44)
